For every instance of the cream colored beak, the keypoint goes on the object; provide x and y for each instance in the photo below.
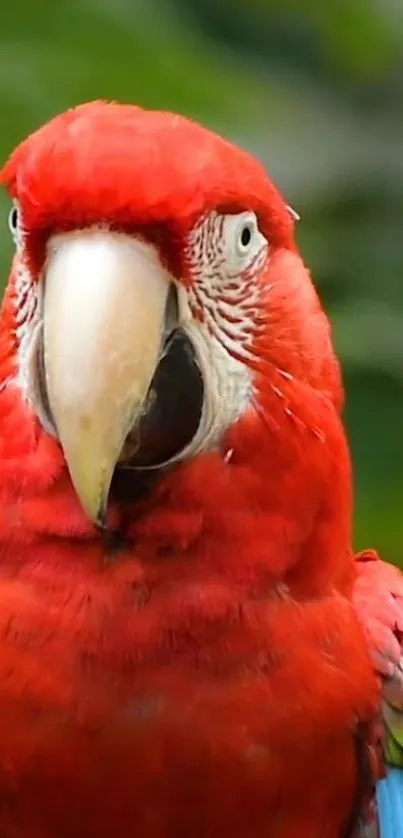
(104, 306)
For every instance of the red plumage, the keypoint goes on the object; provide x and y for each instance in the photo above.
(206, 675)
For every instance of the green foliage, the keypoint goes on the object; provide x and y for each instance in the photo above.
(314, 90)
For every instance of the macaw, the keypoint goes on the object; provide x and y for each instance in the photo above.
(181, 642)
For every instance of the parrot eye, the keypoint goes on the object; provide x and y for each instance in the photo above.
(246, 233)
(13, 221)
(243, 240)
(246, 236)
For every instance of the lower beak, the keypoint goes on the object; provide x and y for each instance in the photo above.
(104, 311)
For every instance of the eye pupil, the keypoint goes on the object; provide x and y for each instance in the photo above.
(13, 219)
(246, 236)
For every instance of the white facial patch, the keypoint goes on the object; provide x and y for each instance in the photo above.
(28, 304)
(225, 255)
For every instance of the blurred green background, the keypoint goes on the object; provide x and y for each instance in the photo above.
(315, 90)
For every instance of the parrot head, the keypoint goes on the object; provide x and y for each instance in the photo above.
(157, 307)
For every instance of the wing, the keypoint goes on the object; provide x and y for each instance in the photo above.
(379, 604)
(378, 600)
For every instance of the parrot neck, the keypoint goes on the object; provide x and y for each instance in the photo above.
(217, 518)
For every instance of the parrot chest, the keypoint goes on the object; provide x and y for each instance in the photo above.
(187, 711)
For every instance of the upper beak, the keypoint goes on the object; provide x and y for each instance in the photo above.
(104, 309)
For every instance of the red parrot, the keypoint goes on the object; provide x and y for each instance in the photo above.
(180, 653)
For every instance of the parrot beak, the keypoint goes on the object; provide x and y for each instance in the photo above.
(105, 298)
